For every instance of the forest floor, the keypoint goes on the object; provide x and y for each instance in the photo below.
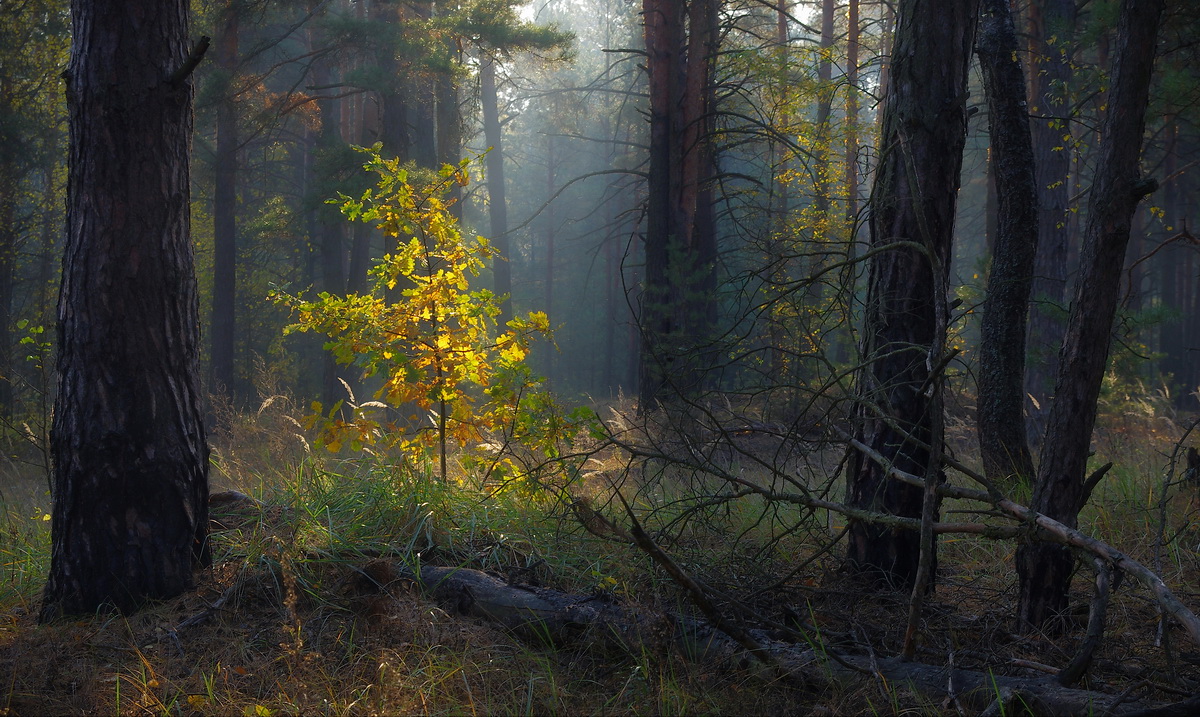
(280, 625)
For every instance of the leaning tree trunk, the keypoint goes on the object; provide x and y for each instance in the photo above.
(912, 225)
(130, 515)
(1045, 570)
(1001, 422)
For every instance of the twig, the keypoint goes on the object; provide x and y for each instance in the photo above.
(643, 541)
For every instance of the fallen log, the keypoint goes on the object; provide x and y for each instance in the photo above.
(602, 622)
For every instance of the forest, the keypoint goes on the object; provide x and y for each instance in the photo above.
(599, 357)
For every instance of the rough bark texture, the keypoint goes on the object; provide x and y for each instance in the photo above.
(222, 328)
(677, 301)
(924, 130)
(1001, 422)
(1044, 570)
(497, 204)
(1052, 24)
(130, 515)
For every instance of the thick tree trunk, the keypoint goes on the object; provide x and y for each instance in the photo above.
(1052, 26)
(1001, 422)
(924, 130)
(1045, 570)
(497, 204)
(223, 325)
(130, 513)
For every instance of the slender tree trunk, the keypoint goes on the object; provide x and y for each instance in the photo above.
(497, 204)
(852, 117)
(550, 230)
(223, 323)
(1045, 570)
(393, 132)
(130, 515)
(824, 168)
(844, 345)
(331, 230)
(1052, 26)
(449, 121)
(916, 183)
(420, 89)
(8, 262)
(680, 242)
(1001, 422)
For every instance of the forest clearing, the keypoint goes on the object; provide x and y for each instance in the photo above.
(595, 356)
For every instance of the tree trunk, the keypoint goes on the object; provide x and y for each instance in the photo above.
(824, 151)
(393, 131)
(551, 229)
(1045, 570)
(421, 92)
(223, 326)
(130, 515)
(1052, 25)
(924, 131)
(680, 242)
(449, 121)
(497, 206)
(8, 264)
(1001, 422)
(331, 230)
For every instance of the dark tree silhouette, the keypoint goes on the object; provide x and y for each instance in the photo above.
(677, 302)
(912, 225)
(1060, 490)
(1001, 423)
(1051, 27)
(223, 329)
(130, 514)
(497, 203)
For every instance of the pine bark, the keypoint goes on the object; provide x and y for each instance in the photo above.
(677, 308)
(1052, 25)
(1044, 570)
(1001, 374)
(130, 514)
(924, 131)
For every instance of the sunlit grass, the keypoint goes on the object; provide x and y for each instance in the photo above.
(293, 635)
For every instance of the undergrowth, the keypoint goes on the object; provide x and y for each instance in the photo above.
(280, 624)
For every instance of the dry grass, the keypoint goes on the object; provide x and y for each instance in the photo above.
(294, 635)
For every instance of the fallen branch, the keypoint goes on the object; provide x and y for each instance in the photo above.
(601, 622)
(1054, 531)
